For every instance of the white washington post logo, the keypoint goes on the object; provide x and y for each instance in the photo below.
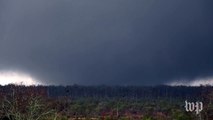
(196, 107)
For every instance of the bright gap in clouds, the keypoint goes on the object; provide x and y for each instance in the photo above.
(196, 82)
(17, 78)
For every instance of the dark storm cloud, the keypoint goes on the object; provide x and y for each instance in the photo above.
(140, 42)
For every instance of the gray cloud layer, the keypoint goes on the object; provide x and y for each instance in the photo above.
(139, 42)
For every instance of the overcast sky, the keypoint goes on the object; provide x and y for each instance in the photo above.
(113, 42)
